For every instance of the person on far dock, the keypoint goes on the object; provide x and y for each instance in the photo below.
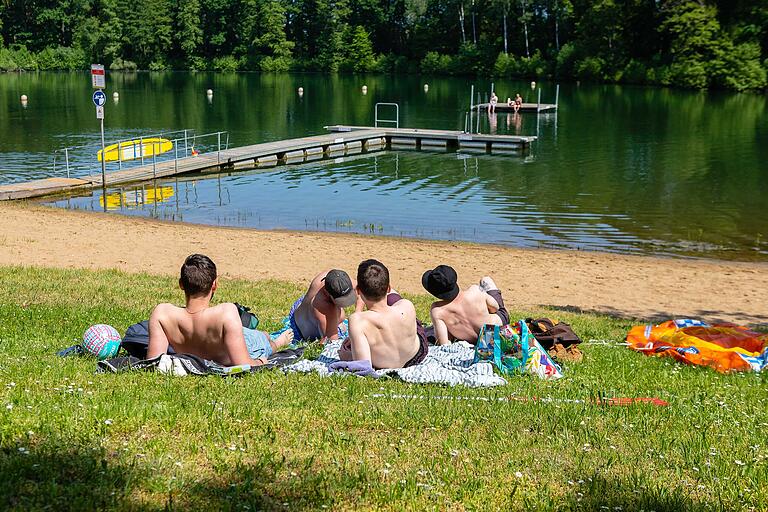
(492, 104)
(518, 103)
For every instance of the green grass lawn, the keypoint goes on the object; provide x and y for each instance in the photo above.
(70, 439)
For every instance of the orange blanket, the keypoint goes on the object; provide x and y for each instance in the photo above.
(725, 347)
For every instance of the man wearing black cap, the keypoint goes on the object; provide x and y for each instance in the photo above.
(460, 315)
(319, 314)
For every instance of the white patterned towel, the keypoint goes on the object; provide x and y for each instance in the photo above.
(451, 364)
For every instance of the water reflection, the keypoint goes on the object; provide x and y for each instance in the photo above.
(619, 168)
(450, 196)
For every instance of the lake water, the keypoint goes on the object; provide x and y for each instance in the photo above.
(627, 169)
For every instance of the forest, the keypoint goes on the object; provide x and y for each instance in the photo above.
(684, 43)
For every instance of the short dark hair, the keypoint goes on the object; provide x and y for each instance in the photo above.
(373, 279)
(197, 275)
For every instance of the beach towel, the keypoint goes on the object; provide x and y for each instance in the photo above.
(182, 365)
(725, 347)
(451, 364)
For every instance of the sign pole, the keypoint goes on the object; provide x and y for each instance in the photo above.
(98, 80)
(103, 165)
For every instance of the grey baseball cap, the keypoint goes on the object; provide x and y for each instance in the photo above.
(339, 287)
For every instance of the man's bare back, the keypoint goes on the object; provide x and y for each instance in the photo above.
(464, 316)
(215, 333)
(384, 335)
(461, 314)
(210, 332)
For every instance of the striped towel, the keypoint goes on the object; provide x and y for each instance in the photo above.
(451, 365)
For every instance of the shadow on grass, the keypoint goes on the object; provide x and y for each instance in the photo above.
(756, 321)
(54, 476)
(633, 495)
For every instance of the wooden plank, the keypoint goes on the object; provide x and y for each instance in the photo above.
(263, 154)
(40, 187)
(525, 107)
(455, 136)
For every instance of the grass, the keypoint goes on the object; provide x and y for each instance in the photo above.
(70, 439)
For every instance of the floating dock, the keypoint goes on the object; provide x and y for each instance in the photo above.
(525, 107)
(343, 140)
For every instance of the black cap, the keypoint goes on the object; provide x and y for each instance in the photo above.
(339, 287)
(441, 282)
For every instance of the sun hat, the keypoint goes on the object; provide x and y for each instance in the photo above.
(441, 282)
(339, 287)
(101, 340)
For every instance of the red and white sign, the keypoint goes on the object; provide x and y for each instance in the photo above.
(98, 76)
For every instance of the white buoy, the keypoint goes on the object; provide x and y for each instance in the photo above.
(23, 97)
(533, 85)
(209, 92)
(426, 87)
(115, 95)
(365, 89)
(301, 91)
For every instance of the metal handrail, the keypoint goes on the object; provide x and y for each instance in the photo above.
(189, 135)
(157, 135)
(376, 119)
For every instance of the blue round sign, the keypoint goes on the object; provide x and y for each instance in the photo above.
(99, 98)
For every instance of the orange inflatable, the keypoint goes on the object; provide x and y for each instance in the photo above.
(725, 347)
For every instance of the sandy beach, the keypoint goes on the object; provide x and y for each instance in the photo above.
(635, 286)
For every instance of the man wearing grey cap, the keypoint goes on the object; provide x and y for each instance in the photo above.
(319, 314)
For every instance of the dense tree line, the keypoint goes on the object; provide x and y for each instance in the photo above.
(701, 43)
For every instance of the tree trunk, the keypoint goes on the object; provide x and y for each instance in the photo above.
(525, 30)
(461, 22)
(474, 31)
(557, 27)
(505, 32)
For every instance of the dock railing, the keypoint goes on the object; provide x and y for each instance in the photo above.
(377, 119)
(82, 160)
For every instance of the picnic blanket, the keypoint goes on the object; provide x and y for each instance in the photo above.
(725, 347)
(182, 365)
(451, 364)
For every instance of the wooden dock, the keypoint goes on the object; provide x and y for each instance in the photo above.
(341, 141)
(525, 107)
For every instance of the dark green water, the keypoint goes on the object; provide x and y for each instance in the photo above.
(620, 169)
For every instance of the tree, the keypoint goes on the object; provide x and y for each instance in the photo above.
(271, 45)
(187, 33)
(359, 51)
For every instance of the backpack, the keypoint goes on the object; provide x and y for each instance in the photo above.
(249, 320)
(548, 332)
(136, 339)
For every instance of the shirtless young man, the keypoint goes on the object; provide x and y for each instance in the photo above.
(461, 314)
(320, 312)
(209, 332)
(386, 334)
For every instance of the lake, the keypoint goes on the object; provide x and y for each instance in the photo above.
(624, 169)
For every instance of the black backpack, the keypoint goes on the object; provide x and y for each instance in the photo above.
(136, 339)
(548, 332)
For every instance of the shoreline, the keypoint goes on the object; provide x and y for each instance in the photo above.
(643, 287)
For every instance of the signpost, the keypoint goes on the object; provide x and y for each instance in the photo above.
(98, 76)
(98, 79)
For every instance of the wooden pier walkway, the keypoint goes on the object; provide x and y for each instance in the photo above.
(342, 140)
(525, 107)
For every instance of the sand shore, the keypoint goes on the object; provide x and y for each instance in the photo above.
(637, 286)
